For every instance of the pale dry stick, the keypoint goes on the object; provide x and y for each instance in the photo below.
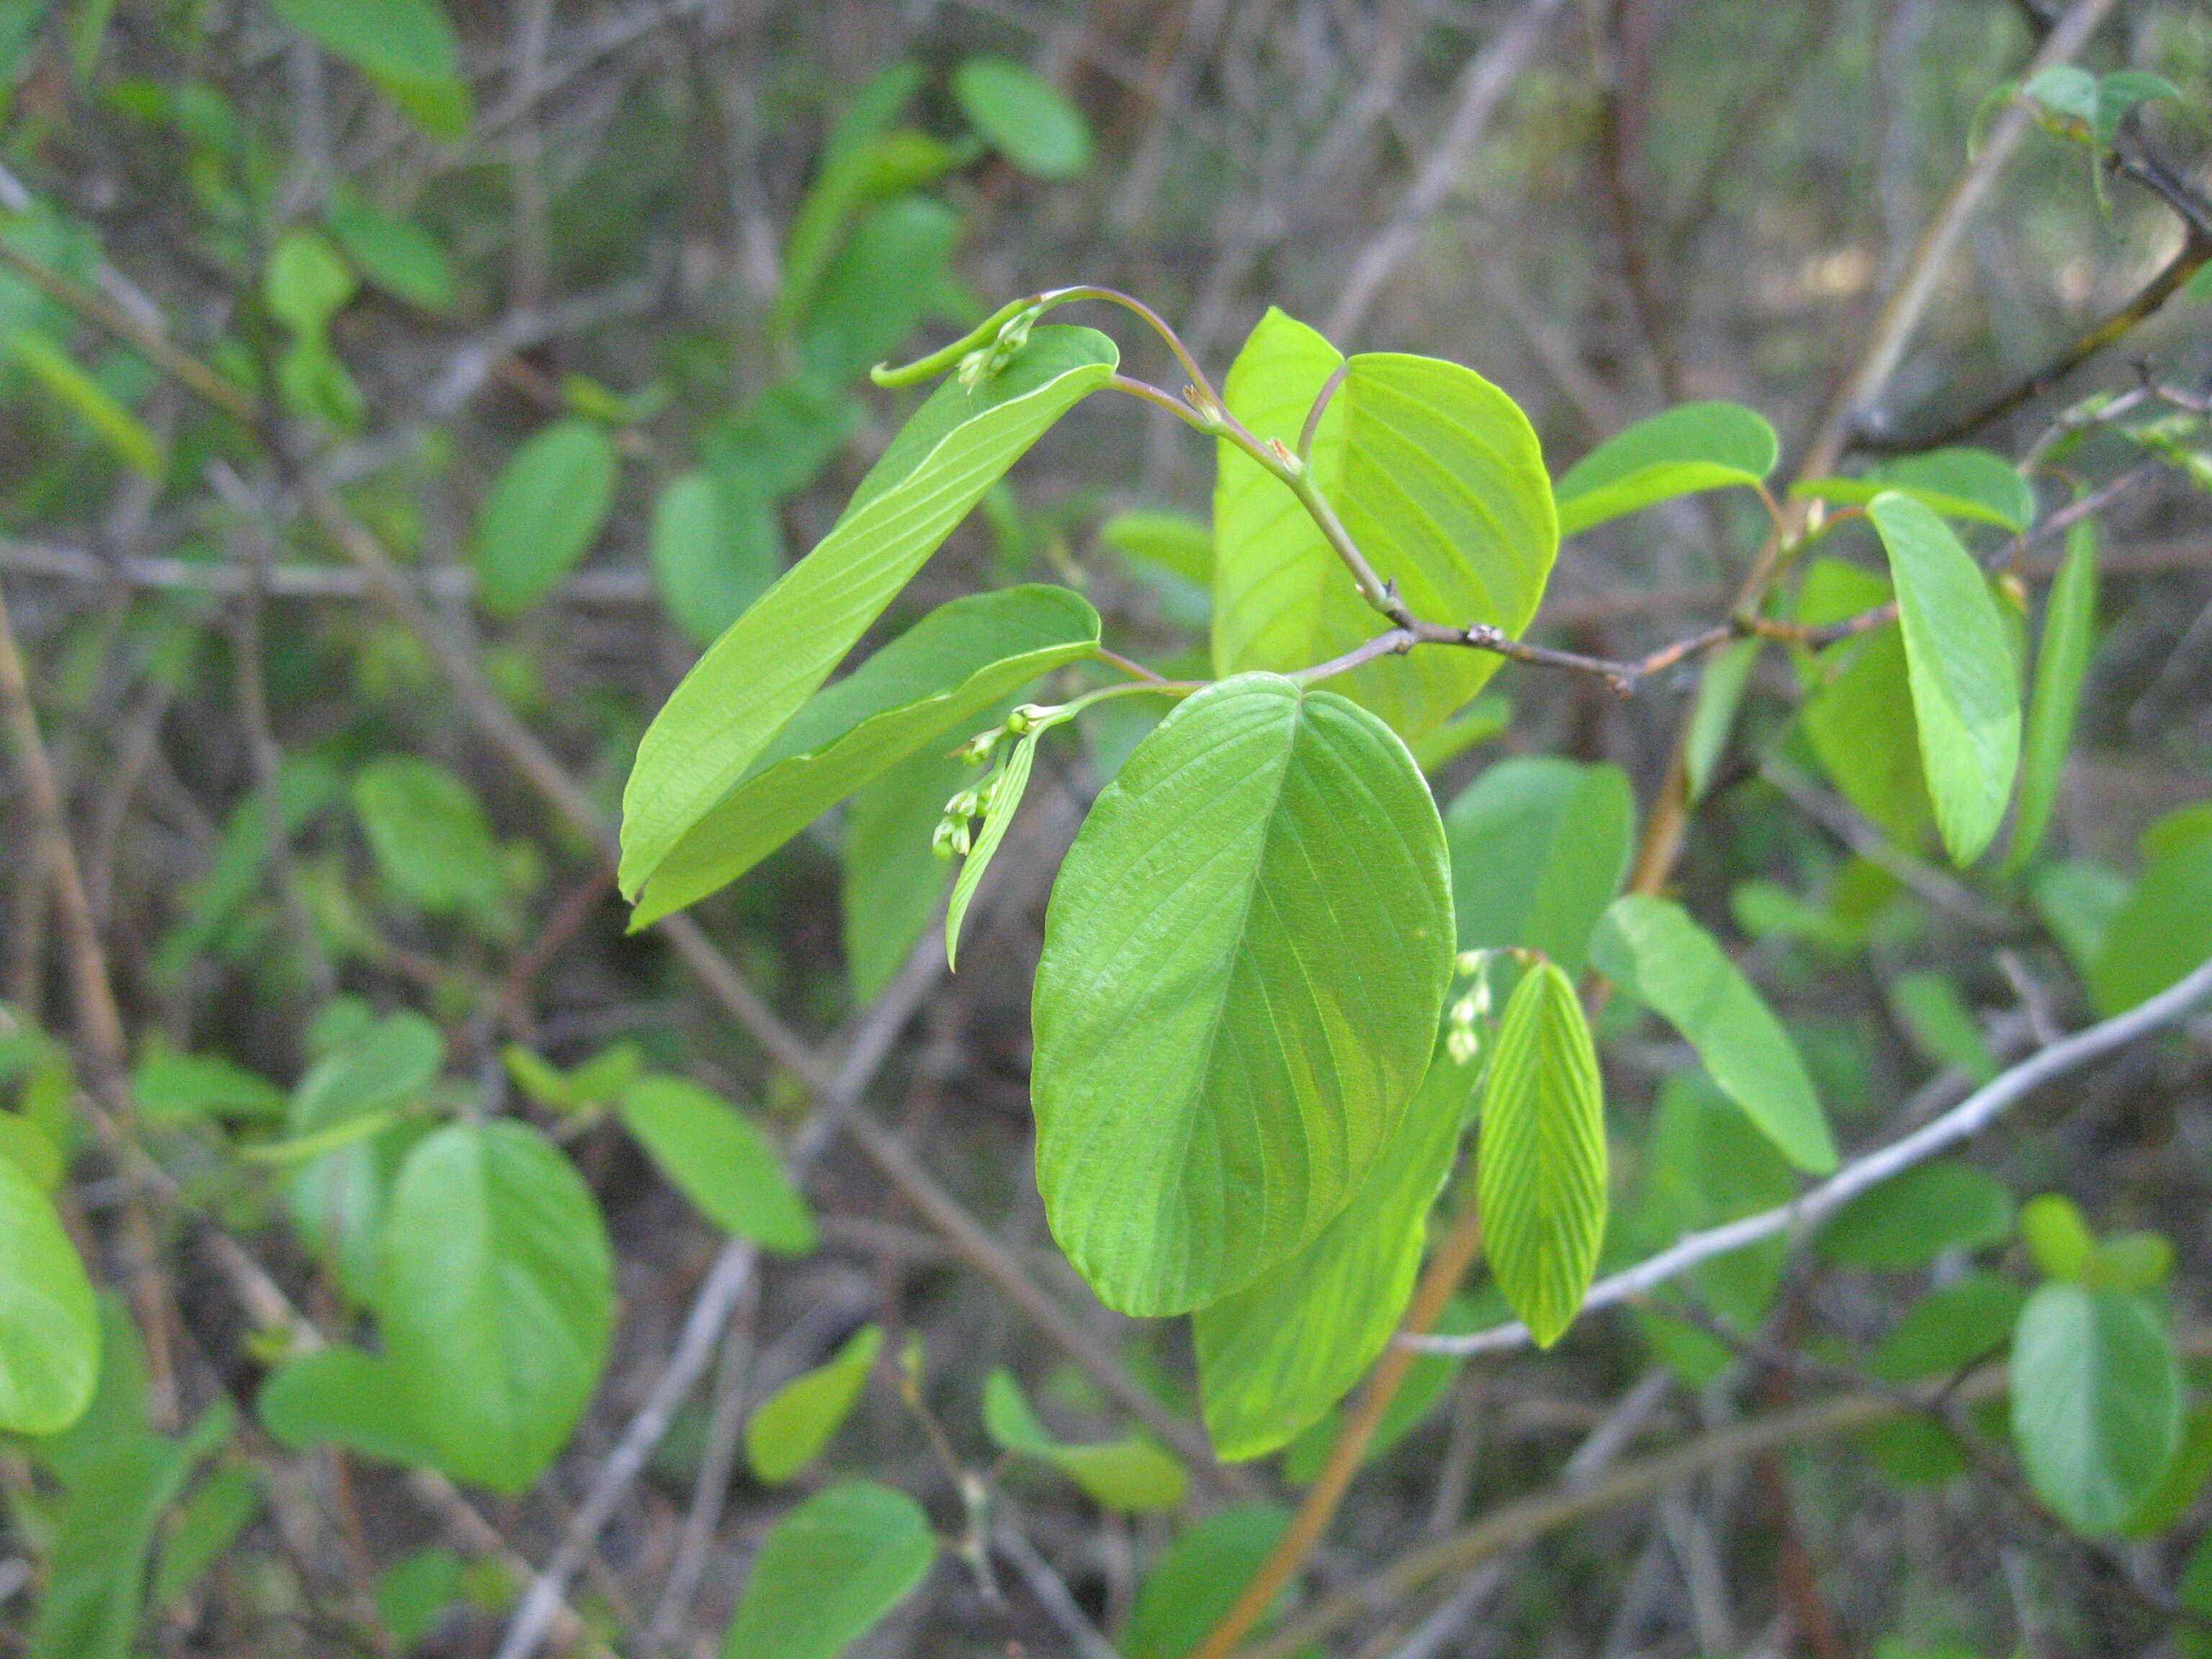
(1051, 1592)
(1483, 86)
(1971, 1115)
(725, 1430)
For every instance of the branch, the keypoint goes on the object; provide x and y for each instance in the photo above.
(1971, 1115)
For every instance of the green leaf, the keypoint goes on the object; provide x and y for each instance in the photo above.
(2077, 901)
(2120, 92)
(397, 254)
(1542, 1163)
(2061, 663)
(172, 1088)
(406, 41)
(206, 1527)
(1004, 788)
(879, 288)
(432, 842)
(1216, 1066)
(308, 282)
(1170, 542)
(2058, 1238)
(2096, 1402)
(786, 436)
(829, 1572)
(104, 1532)
(496, 1299)
(1539, 846)
(49, 1325)
(1484, 718)
(1273, 1357)
(700, 562)
(1909, 1219)
(893, 880)
(1654, 949)
(1198, 1578)
(1857, 713)
(1438, 477)
(132, 441)
(956, 661)
(2186, 1474)
(1024, 117)
(1680, 451)
(2163, 928)
(751, 681)
(719, 1160)
(414, 1592)
(542, 514)
(1973, 484)
(1967, 1321)
(1120, 1475)
(1959, 663)
(1928, 1005)
(345, 1396)
(31, 1150)
(1720, 694)
(789, 1429)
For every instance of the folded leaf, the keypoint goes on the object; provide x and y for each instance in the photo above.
(1678, 452)
(941, 672)
(1216, 1065)
(1965, 679)
(728, 710)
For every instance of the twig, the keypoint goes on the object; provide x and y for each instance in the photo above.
(1051, 1592)
(1971, 1115)
(725, 1423)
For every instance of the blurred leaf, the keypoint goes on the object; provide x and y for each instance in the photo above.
(1539, 846)
(2077, 901)
(829, 1572)
(709, 561)
(2163, 929)
(2096, 1403)
(1959, 664)
(1907, 1220)
(2185, 1477)
(414, 1591)
(879, 287)
(49, 1325)
(2062, 662)
(1967, 1321)
(719, 1160)
(2056, 1236)
(343, 1396)
(406, 46)
(1541, 1162)
(206, 1527)
(1191, 963)
(175, 1088)
(308, 282)
(786, 436)
(104, 1533)
(1120, 1475)
(397, 254)
(1486, 717)
(1657, 953)
(132, 441)
(1720, 694)
(758, 675)
(1680, 451)
(1928, 1005)
(1024, 117)
(788, 1430)
(1180, 545)
(31, 1150)
(1273, 1357)
(1197, 1579)
(964, 656)
(542, 514)
(432, 842)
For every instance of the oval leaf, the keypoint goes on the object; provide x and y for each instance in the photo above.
(1120, 1474)
(542, 514)
(2096, 1402)
(1974, 484)
(49, 1325)
(1539, 846)
(719, 1161)
(752, 680)
(1217, 1064)
(1964, 680)
(1024, 117)
(496, 1299)
(789, 1429)
(1541, 1168)
(829, 1572)
(1653, 948)
(956, 661)
(1680, 451)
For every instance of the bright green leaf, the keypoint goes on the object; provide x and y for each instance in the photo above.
(1539, 846)
(1024, 117)
(1197, 1578)
(1215, 1071)
(788, 1430)
(829, 1572)
(1720, 694)
(345, 1396)
(542, 514)
(1973, 484)
(756, 677)
(1005, 786)
(1907, 1220)
(2062, 662)
(431, 840)
(1120, 1475)
(308, 282)
(1695, 446)
(1654, 949)
(719, 1161)
(2056, 1236)
(1180, 546)
(2096, 1402)
(49, 1327)
(893, 880)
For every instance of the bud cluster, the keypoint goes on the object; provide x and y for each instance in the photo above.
(1463, 1040)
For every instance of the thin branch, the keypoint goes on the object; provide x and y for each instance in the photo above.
(1971, 1115)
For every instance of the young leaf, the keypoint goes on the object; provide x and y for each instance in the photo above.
(2096, 1402)
(1692, 447)
(959, 659)
(49, 1325)
(1539, 846)
(1120, 1475)
(1720, 694)
(1965, 683)
(1909, 1219)
(542, 514)
(829, 1572)
(752, 680)
(1008, 784)
(715, 1158)
(308, 282)
(1198, 1577)
(2163, 928)
(893, 881)
(1218, 1064)
(2058, 1240)
(496, 1299)
(2062, 662)
(1438, 477)
(788, 1430)
(1024, 117)
(1273, 1357)
(1541, 1162)
(1656, 951)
